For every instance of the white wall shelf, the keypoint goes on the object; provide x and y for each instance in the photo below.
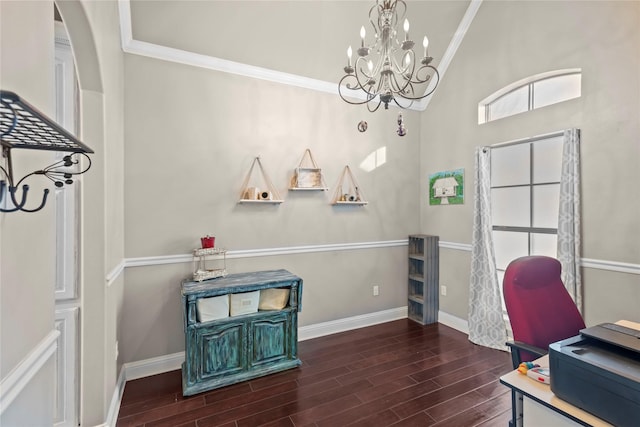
(272, 202)
(307, 176)
(253, 194)
(348, 191)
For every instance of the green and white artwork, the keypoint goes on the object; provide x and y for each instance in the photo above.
(446, 188)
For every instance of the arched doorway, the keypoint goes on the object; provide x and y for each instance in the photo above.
(88, 404)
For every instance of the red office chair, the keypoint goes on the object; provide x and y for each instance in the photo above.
(541, 312)
(540, 309)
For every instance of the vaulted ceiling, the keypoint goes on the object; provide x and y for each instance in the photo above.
(297, 37)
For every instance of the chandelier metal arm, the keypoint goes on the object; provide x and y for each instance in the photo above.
(437, 74)
(370, 80)
(346, 76)
(397, 87)
(374, 109)
(370, 96)
(359, 66)
(402, 72)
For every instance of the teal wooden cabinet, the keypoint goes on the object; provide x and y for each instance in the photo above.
(238, 348)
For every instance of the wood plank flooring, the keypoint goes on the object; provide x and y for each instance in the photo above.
(393, 374)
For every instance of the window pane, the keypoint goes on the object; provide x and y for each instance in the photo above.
(546, 200)
(509, 104)
(556, 89)
(508, 246)
(544, 244)
(510, 206)
(547, 160)
(510, 165)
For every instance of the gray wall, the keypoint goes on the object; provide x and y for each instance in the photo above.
(191, 137)
(213, 124)
(509, 41)
(27, 242)
(27, 268)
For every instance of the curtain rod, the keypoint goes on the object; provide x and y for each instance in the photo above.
(525, 140)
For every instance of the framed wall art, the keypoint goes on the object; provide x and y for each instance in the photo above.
(446, 188)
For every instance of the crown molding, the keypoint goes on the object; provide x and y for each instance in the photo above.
(165, 53)
(452, 49)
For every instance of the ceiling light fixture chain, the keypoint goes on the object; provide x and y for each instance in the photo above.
(387, 70)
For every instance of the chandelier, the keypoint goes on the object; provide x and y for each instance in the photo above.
(387, 70)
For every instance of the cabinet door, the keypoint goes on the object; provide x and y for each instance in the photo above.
(270, 341)
(221, 350)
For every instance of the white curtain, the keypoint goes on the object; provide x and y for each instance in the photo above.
(569, 216)
(486, 324)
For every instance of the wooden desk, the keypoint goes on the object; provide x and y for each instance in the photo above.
(540, 404)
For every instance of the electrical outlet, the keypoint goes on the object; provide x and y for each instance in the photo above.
(376, 290)
(443, 290)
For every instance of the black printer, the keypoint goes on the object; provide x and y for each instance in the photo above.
(599, 372)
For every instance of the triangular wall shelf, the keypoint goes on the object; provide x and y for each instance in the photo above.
(347, 190)
(307, 178)
(254, 194)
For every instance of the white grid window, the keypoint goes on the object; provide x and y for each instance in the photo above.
(525, 186)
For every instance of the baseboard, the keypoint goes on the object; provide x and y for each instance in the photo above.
(453, 322)
(349, 323)
(114, 407)
(153, 366)
(171, 362)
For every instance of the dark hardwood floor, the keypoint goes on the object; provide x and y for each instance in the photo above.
(393, 374)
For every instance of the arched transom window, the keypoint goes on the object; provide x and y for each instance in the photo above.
(531, 93)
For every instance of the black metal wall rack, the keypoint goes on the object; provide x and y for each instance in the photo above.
(23, 126)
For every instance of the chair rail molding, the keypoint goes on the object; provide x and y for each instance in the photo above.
(620, 267)
(23, 373)
(253, 253)
(113, 275)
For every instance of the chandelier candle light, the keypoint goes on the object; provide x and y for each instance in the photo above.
(387, 70)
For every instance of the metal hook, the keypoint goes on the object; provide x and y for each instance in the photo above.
(12, 198)
(44, 200)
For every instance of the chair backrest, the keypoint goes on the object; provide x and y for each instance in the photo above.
(540, 309)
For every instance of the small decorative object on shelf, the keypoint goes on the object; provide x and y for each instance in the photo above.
(423, 303)
(307, 178)
(253, 194)
(348, 193)
(201, 269)
(208, 242)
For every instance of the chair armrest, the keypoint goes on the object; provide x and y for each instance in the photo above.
(517, 346)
